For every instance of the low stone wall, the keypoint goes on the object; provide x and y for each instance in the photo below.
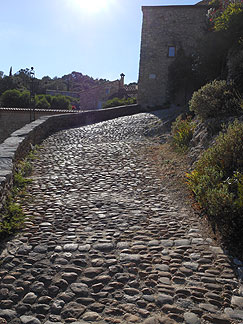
(19, 143)
(12, 119)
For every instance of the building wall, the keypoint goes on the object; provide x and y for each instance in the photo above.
(94, 97)
(164, 26)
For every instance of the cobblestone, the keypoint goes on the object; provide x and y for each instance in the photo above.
(106, 243)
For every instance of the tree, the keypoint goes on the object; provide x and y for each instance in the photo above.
(60, 102)
(24, 77)
(226, 18)
(6, 83)
(11, 98)
(74, 81)
(24, 101)
(42, 103)
(15, 99)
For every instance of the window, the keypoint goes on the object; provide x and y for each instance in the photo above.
(172, 51)
(152, 76)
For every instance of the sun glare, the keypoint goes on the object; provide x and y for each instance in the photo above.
(93, 6)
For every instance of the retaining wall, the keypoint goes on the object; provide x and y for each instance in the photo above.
(12, 119)
(19, 143)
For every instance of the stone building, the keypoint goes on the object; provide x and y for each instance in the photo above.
(93, 98)
(165, 30)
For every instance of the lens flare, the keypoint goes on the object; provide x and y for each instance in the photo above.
(92, 6)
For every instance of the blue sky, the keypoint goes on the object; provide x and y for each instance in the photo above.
(100, 38)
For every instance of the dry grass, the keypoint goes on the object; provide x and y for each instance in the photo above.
(171, 168)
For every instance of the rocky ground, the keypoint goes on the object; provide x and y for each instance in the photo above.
(106, 242)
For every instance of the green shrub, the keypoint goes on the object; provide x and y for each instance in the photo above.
(230, 19)
(182, 132)
(12, 215)
(235, 69)
(20, 180)
(15, 99)
(48, 98)
(60, 102)
(115, 102)
(11, 98)
(13, 218)
(215, 99)
(42, 103)
(217, 180)
(24, 101)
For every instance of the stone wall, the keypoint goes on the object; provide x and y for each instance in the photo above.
(12, 119)
(94, 97)
(19, 143)
(165, 26)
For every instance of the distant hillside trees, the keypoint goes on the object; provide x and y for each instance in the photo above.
(15, 89)
(15, 98)
(21, 99)
(21, 80)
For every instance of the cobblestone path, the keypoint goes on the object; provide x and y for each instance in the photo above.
(107, 244)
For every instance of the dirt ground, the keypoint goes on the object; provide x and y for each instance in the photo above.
(172, 167)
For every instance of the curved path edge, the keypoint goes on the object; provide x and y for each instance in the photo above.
(21, 141)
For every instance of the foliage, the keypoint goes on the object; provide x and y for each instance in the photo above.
(182, 132)
(48, 98)
(226, 15)
(20, 180)
(12, 216)
(182, 74)
(10, 98)
(24, 99)
(24, 77)
(235, 68)
(42, 103)
(231, 20)
(15, 99)
(8, 83)
(21, 99)
(74, 81)
(214, 99)
(60, 102)
(217, 180)
(119, 102)
(217, 54)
